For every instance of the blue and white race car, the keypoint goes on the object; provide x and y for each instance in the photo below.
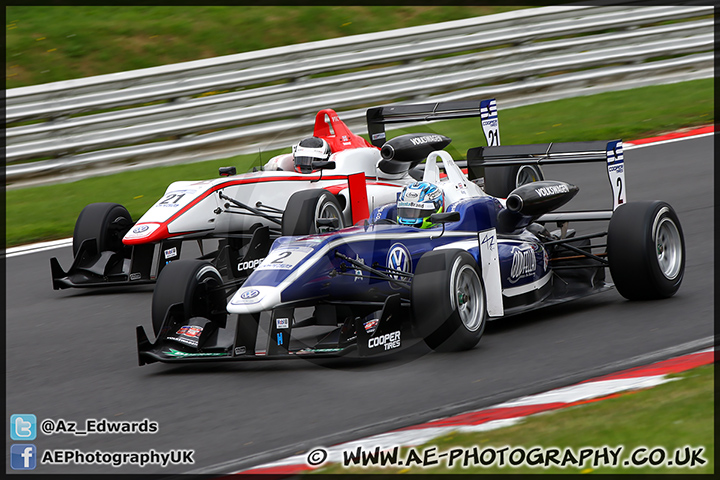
(380, 286)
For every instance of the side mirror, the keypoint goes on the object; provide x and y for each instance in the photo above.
(321, 165)
(227, 171)
(445, 217)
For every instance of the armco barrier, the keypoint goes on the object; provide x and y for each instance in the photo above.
(519, 57)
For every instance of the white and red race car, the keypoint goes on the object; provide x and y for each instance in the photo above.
(245, 212)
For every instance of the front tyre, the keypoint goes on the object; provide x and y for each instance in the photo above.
(196, 285)
(646, 250)
(306, 210)
(448, 300)
(106, 222)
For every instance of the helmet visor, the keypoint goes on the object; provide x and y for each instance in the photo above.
(305, 156)
(414, 210)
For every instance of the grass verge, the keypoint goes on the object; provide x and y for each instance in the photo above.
(675, 416)
(49, 212)
(50, 43)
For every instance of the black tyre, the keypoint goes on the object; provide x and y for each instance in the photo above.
(448, 300)
(107, 222)
(500, 181)
(646, 250)
(305, 208)
(196, 284)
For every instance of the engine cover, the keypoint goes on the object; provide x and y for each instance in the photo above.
(537, 198)
(406, 151)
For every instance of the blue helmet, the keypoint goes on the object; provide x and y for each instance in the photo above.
(417, 202)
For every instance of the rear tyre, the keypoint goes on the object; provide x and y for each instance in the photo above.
(305, 208)
(500, 181)
(448, 300)
(646, 250)
(107, 222)
(195, 284)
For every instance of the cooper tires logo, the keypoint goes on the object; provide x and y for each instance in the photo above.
(249, 265)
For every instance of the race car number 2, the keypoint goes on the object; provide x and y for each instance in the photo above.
(284, 259)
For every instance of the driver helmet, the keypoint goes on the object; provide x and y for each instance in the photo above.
(417, 202)
(309, 150)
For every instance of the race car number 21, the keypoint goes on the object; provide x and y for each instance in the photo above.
(284, 259)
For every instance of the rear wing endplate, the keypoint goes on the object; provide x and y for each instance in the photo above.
(377, 117)
(610, 152)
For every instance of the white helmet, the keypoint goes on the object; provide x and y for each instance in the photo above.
(309, 150)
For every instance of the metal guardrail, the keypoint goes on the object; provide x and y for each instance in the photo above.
(519, 57)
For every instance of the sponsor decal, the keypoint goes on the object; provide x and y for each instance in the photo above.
(282, 323)
(371, 326)
(188, 334)
(411, 195)
(489, 240)
(388, 341)
(279, 338)
(248, 294)
(249, 264)
(616, 154)
(426, 139)
(523, 263)
(358, 271)
(552, 190)
(284, 258)
(398, 258)
(378, 136)
(140, 229)
(190, 331)
(379, 213)
(170, 253)
(488, 109)
(176, 353)
(306, 351)
(411, 204)
(240, 350)
(135, 276)
(187, 341)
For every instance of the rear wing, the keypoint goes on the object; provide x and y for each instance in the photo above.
(377, 117)
(610, 152)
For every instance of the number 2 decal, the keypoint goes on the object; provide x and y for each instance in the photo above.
(281, 256)
(620, 189)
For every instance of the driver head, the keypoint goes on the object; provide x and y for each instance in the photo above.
(417, 202)
(309, 150)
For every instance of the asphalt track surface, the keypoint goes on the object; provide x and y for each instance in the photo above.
(71, 354)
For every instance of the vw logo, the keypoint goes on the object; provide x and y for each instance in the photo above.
(398, 258)
(141, 228)
(248, 294)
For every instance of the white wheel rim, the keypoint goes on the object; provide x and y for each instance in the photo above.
(668, 246)
(526, 174)
(467, 297)
(327, 210)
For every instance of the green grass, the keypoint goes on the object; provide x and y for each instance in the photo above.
(52, 43)
(49, 212)
(673, 415)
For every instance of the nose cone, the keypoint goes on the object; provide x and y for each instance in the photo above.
(254, 299)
